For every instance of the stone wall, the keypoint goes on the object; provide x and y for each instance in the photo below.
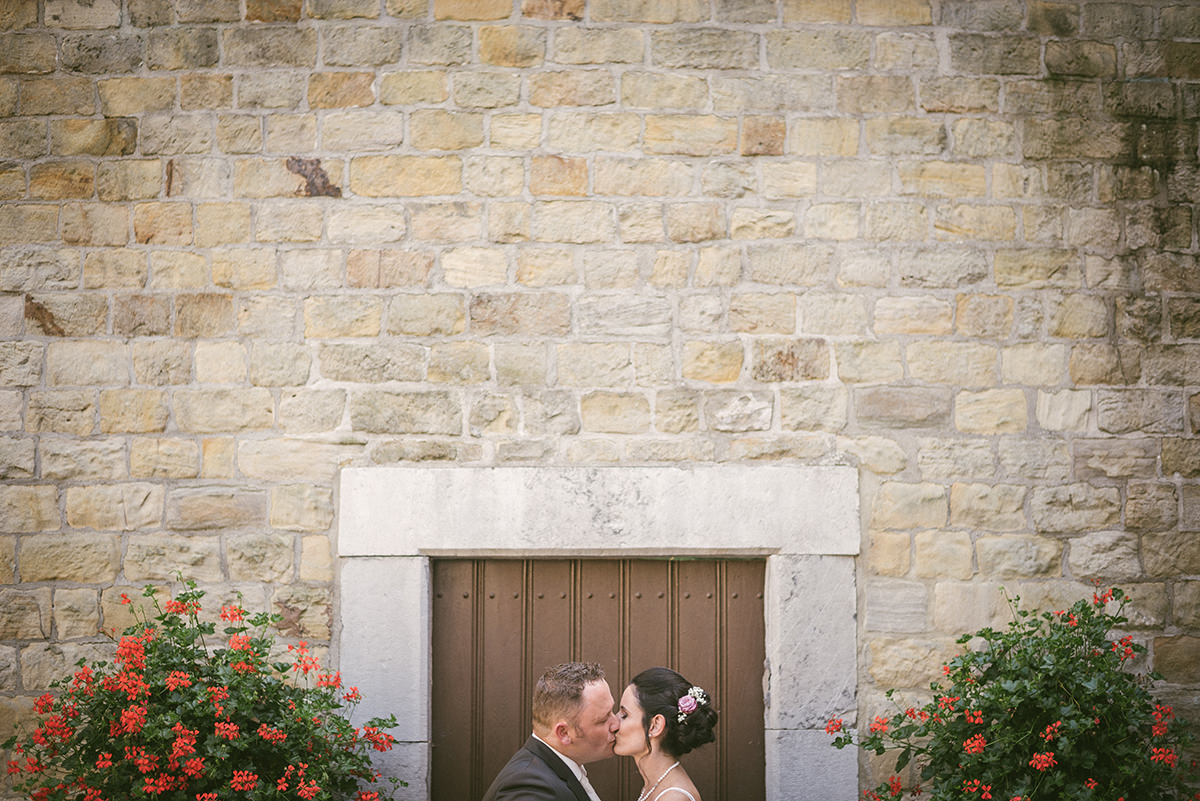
(246, 243)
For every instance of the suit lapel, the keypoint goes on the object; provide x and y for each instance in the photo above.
(556, 764)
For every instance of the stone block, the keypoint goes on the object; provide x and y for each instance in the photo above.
(158, 557)
(115, 507)
(818, 49)
(287, 460)
(704, 49)
(712, 361)
(735, 411)
(585, 131)
(1146, 411)
(94, 224)
(255, 46)
(943, 555)
(64, 459)
(1178, 659)
(203, 315)
(128, 179)
(902, 407)
(405, 176)
(35, 223)
(163, 458)
(947, 267)
(573, 221)
(1074, 507)
(996, 411)
(823, 137)
(989, 507)
(1018, 556)
(895, 606)
(529, 314)
(942, 179)
(520, 364)
(301, 507)
(443, 222)
(869, 362)
(110, 269)
(1066, 410)
(316, 561)
(59, 180)
(690, 135)
(86, 558)
(223, 410)
(161, 362)
(76, 613)
(371, 363)
(902, 506)
(83, 362)
(215, 508)
(582, 45)
(1105, 556)
(1036, 363)
(426, 315)
(615, 412)
(815, 408)
(133, 411)
(459, 363)
(58, 315)
(25, 615)
(29, 508)
(17, 457)
(342, 316)
(220, 362)
(379, 269)
(368, 225)
(382, 412)
(788, 360)
(987, 139)
(260, 557)
(205, 92)
(947, 362)
(512, 45)
(1098, 363)
(971, 222)
(311, 411)
(572, 88)
(63, 411)
(594, 364)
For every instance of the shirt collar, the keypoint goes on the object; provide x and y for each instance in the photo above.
(575, 767)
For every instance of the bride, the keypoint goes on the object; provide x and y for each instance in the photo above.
(662, 717)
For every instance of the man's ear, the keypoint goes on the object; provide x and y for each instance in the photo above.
(562, 732)
(658, 725)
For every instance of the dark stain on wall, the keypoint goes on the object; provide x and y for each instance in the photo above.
(317, 182)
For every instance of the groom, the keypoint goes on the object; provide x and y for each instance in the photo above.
(573, 724)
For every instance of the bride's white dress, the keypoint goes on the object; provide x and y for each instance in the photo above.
(679, 790)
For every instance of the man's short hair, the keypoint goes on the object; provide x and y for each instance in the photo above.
(559, 692)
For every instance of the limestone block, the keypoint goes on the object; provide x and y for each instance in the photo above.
(367, 225)
(954, 459)
(492, 414)
(215, 508)
(948, 362)
(990, 139)
(1169, 554)
(676, 411)
(378, 269)
(1066, 410)
(1018, 556)
(30, 269)
(57, 314)
(217, 457)
(437, 129)
(869, 362)
(25, 615)
(17, 457)
(959, 607)
(943, 554)
(115, 507)
(996, 411)
(222, 410)
(342, 316)
(42, 663)
(516, 131)
(900, 505)
(670, 269)
(405, 176)
(907, 661)
(245, 268)
(722, 266)
(29, 507)
(585, 131)
(615, 412)
(459, 363)
(674, 450)
(11, 405)
(437, 314)
(254, 46)
(153, 457)
(1034, 363)
(413, 86)
(738, 411)
(1074, 507)
(316, 561)
(301, 507)
(1105, 556)
(161, 362)
(307, 610)
(446, 222)
(580, 45)
(76, 612)
(113, 268)
(63, 411)
(205, 92)
(372, 363)
(972, 222)
(690, 134)
(623, 315)
(1151, 506)
(991, 507)
(222, 223)
(35, 223)
(293, 459)
(137, 411)
(141, 315)
(823, 137)
(712, 361)
(406, 412)
(593, 364)
(1145, 411)
(289, 221)
(1037, 269)
(943, 268)
(520, 364)
(525, 313)
(127, 96)
(157, 557)
(611, 269)
(1181, 456)
(1178, 659)
(512, 45)
(817, 408)
(913, 315)
(474, 266)
(895, 606)
(818, 49)
(439, 44)
(551, 413)
(574, 221)
(1187, 604)
(86, 558)
(310, 411)
(751, 223)
(777, 360)
(905, 407)
(1115, 458)
(572, 88)
(1104, 364)
(59, 180)
(889, 553)
(755, 313)
(260, 557)
(879, 454)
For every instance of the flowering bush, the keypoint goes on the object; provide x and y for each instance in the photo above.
(175, 719)
(1043, 711)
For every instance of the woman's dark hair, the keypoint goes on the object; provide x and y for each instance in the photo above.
(658, 691)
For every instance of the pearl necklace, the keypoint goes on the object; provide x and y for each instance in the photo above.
(645, 795)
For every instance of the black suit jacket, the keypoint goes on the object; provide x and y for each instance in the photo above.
(535, 773)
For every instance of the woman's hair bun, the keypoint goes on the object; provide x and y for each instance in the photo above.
(686, 708)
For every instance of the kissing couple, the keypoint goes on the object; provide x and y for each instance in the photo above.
(662, 716)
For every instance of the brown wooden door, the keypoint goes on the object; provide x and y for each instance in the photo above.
(497, 624)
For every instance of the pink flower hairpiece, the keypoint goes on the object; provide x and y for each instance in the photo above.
(689, 703)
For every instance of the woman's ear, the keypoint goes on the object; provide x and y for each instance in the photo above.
(658, 725)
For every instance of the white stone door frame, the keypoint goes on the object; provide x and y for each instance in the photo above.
(803, 520)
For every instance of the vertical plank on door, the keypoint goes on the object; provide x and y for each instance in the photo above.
(601, 621)
(699, 643)
(453, 685)
(740, 702)
(500, 668)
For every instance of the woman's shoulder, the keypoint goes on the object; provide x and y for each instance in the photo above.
(678, 790)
